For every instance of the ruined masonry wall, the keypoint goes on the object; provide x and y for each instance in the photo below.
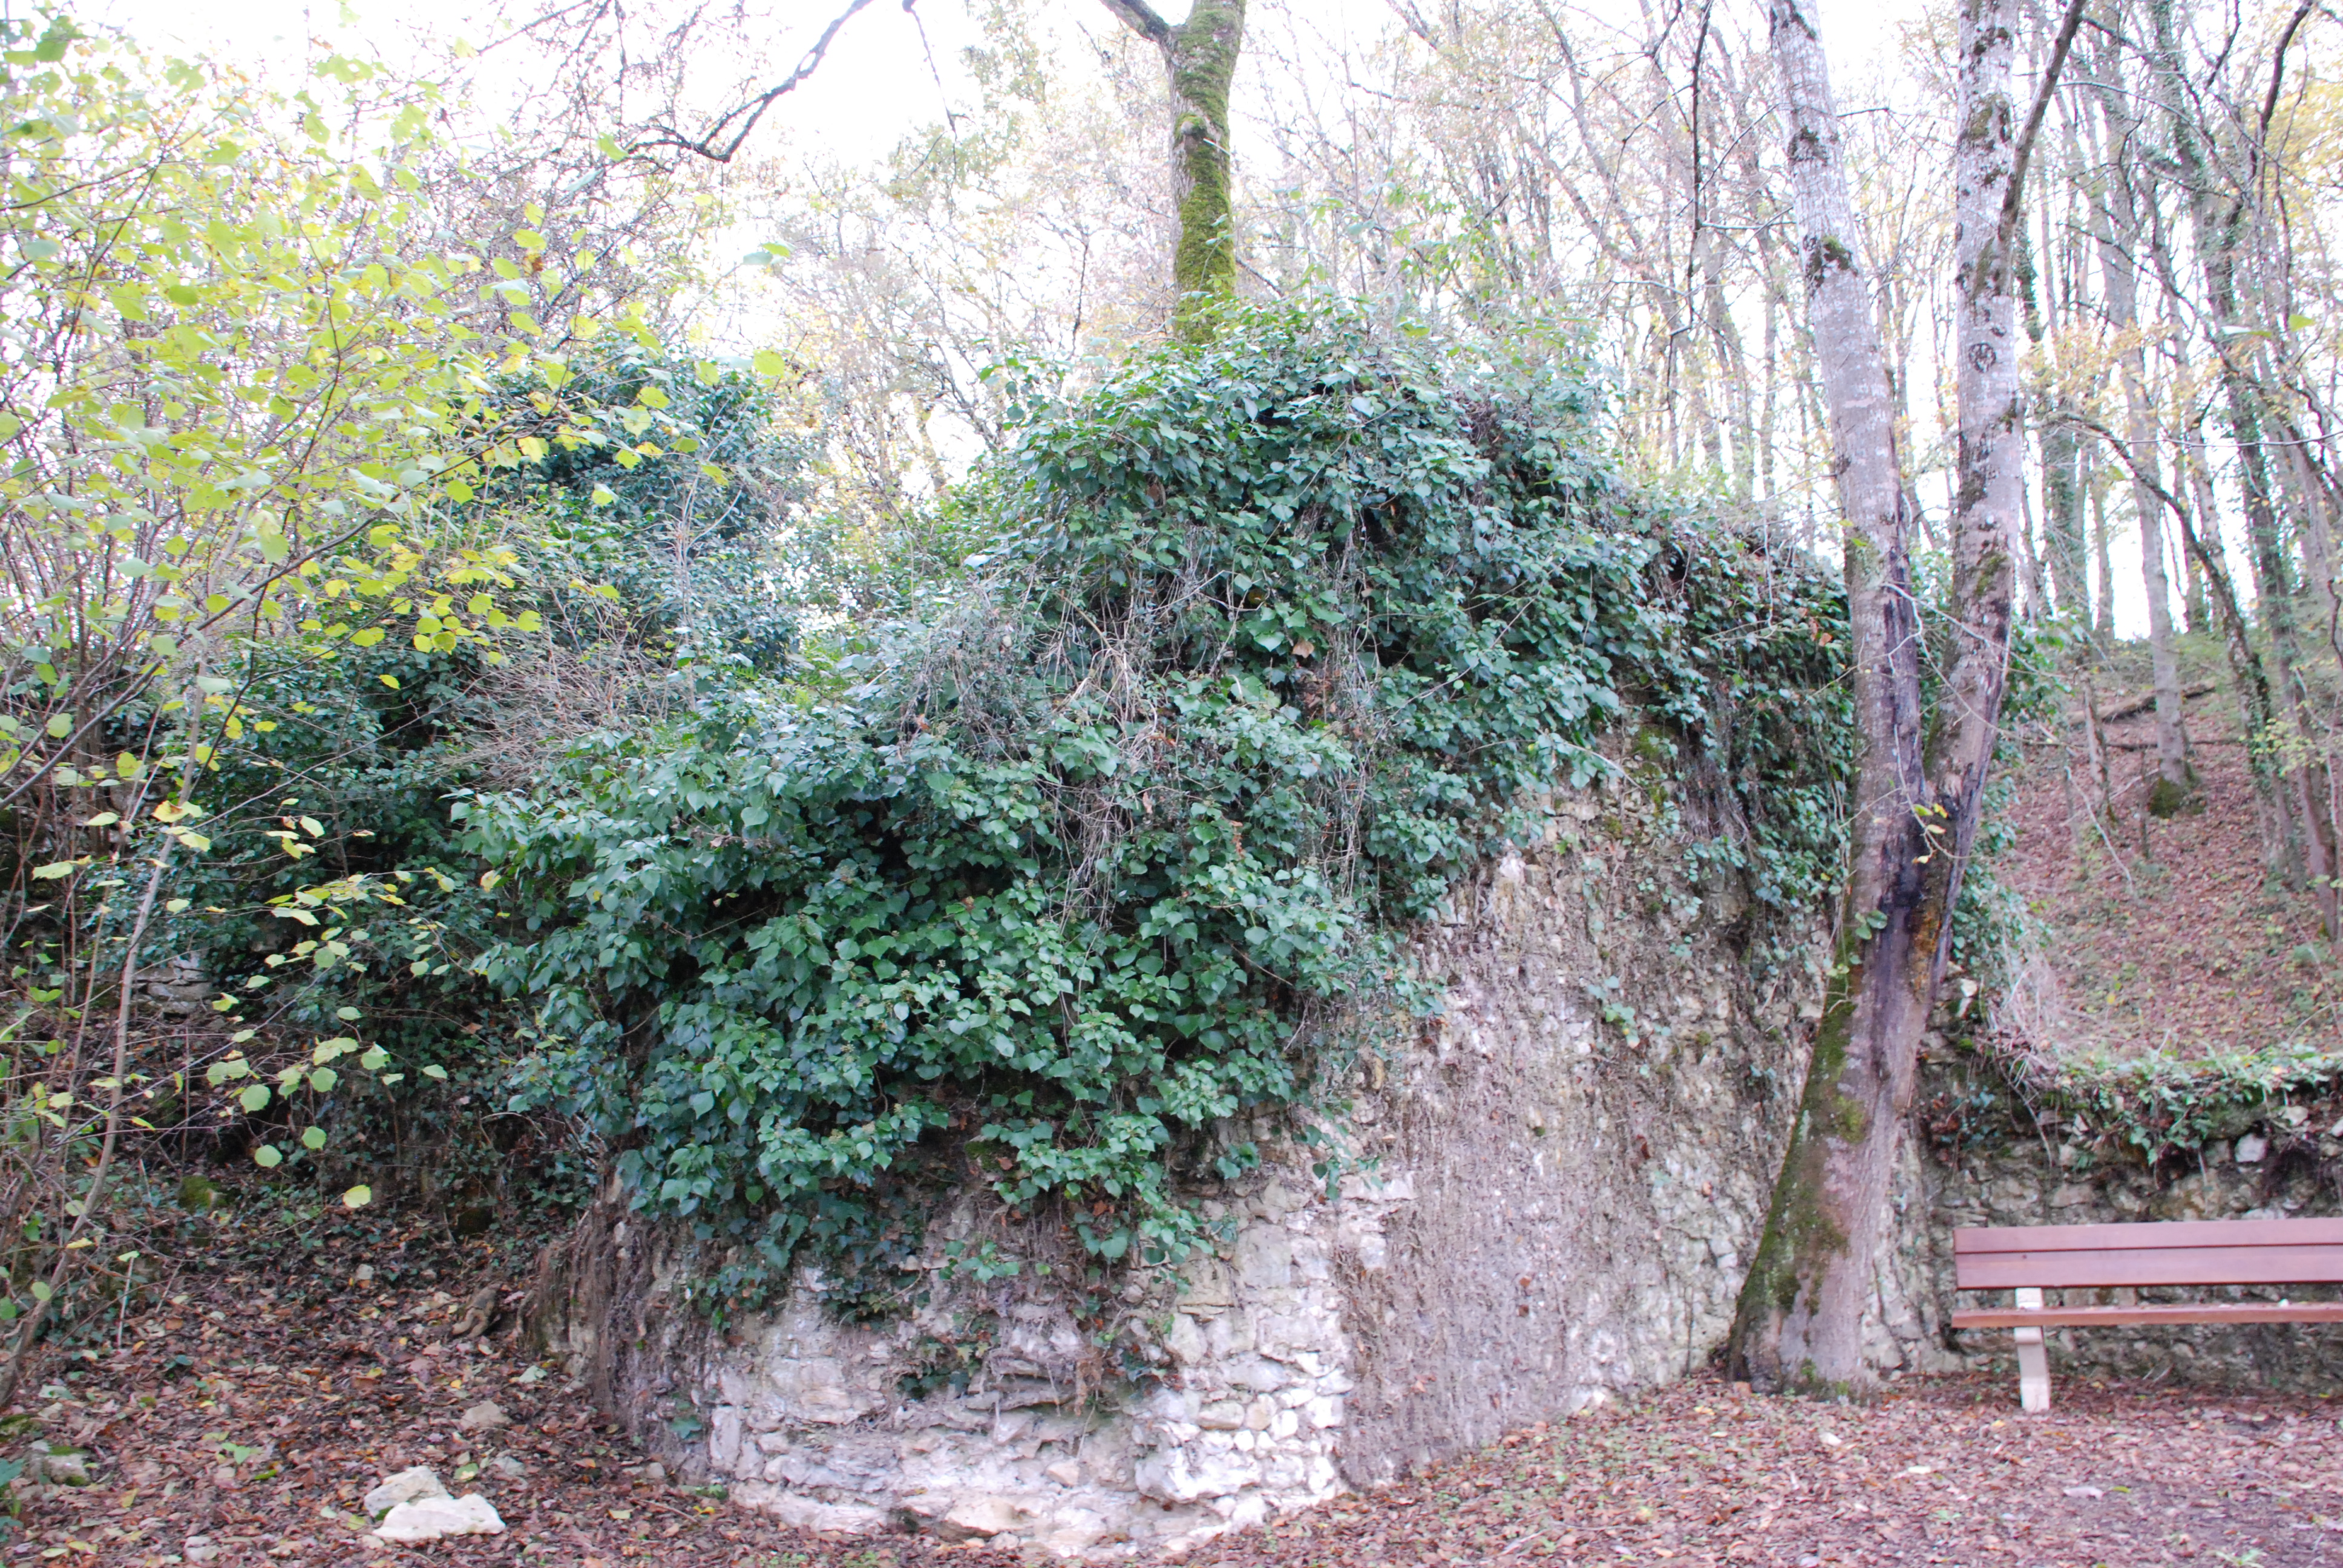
(1553, 1192)
(1556, 1187)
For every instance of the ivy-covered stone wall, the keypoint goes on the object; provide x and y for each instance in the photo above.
(1545, 1196)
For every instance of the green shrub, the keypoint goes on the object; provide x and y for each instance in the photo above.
(1274, 641)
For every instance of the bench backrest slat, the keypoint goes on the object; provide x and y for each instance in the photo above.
(2180, 1252)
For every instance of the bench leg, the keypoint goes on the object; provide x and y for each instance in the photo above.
(2032, 1360)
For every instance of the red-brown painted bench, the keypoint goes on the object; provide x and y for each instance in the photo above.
(2031, 1259)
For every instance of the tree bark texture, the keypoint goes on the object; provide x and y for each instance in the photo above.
(1801, 1308)
(1200, 56)
(1921, 776)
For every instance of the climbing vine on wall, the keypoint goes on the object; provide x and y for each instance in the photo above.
(1273, 641)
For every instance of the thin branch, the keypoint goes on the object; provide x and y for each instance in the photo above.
(1143, 20)
(2013, 200)
(12, 1373)
(707, 144)
(2255, 154)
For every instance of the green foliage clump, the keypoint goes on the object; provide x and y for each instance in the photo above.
(687, 542)
(1275, 640)
(2158, 1103)
(336, 902)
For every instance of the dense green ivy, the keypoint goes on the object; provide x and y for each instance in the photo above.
(1273, 640)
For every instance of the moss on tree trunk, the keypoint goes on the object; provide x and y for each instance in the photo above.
(1203, 61)
(1200, 54)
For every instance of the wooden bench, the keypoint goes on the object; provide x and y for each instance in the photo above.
(2030, 1259)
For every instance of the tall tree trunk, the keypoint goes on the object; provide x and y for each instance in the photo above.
(1800, 1315)
(2103, 614)
(2120, 233)
(2258, 707)
(2310, 854)
(1801, 1308)
(2302, 483)
(1201, 55)
(1989, 180)
(2062, 505)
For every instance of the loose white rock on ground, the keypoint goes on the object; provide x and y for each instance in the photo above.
(416, 1507)
(404, 1487)
(436, 1518)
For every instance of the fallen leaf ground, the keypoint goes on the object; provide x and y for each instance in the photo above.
(255, 1408)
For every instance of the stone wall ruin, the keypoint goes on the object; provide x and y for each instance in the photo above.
(1553, 1193)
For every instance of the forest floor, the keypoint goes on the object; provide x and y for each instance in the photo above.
(2158, 933)
(242, 1422)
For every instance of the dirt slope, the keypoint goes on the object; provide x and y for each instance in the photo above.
(2160, 934)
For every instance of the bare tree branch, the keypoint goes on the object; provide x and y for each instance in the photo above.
(724, 138)
(1142, 19)
(2014, 199)
(2277, 78)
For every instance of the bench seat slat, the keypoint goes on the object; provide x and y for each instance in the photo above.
(2030, 1259)
(2175, 1312)
(2152, 1266)
(1976, 1239)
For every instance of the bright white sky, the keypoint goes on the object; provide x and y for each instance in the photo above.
(874, 86)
